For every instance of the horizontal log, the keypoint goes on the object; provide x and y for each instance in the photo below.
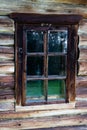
(6, 92)
(5, 84)
(5, 19)
(83, 67)
(6, 39)
(83, 27)
(6, 106)
(83, 54)
(6, 97)
(81, 81)
(6, 29)
(83, 37)
(81, 92)
(46, 107)
(39, 7)
(6, 57)
(6, 24)
(6, 69)
(47, 122)
(83, 44)
(6, 79)
(65, 128)
(7, 50)
(43, 113)
(7, 63)
(81, 104)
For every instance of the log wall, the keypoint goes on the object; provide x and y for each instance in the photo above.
(22, 120)
(7, 90)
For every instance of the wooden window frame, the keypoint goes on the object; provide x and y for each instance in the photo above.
(69, 21)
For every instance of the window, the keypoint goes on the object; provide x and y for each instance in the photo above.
(46, 53)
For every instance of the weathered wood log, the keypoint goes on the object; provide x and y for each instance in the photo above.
(46, 7)
(5, 84)
(6, 25)
(83, 27)
(81, 92)
(6, 57)
(33, 114)
(47, 122)
(81, 81)
(48, 107)
(6, 106)
(83, 68)
(7, 50)
(6, 69)
(6, 79)
(65, 128)
(6, 92)
(83, 44)
(83, 54)
(6, 21)
(6, 39)
(81, 104)
(6, 97)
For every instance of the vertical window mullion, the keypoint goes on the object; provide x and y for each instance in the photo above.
(24, 78)
(45, 66)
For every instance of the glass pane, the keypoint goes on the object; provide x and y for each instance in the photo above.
(56, 89)
(35, 90)
(34, 41)
(35, 65)
(57, 65)
(57, 41)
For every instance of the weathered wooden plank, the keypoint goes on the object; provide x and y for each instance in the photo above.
(5, 84)
(6, 106)
(81, 81)
(8, 69)
(81, 104)
(83, 44)
(6, 29)
(6, 39)
(6, 57)
(65, 128)
(83, 54)
(6, 25)
(6, 79)
(83, 67)
(83, 27)
(8, 50)
(81, 92)
(45, 122)
(46, 107)
(6, 97)
(43, 113)
(6, 92)
(42, 7)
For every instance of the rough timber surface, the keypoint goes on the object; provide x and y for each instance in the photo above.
(63, 119)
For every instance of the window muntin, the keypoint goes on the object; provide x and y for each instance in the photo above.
(46, 65)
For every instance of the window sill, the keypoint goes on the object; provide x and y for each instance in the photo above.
(48, 107)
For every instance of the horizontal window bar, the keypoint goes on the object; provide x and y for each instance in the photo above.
(45, 78)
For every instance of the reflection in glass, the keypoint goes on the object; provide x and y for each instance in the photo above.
(35, 90)
(57, 65)
(34, 41)
(35, 65)
(56, 89)
(57, 41)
